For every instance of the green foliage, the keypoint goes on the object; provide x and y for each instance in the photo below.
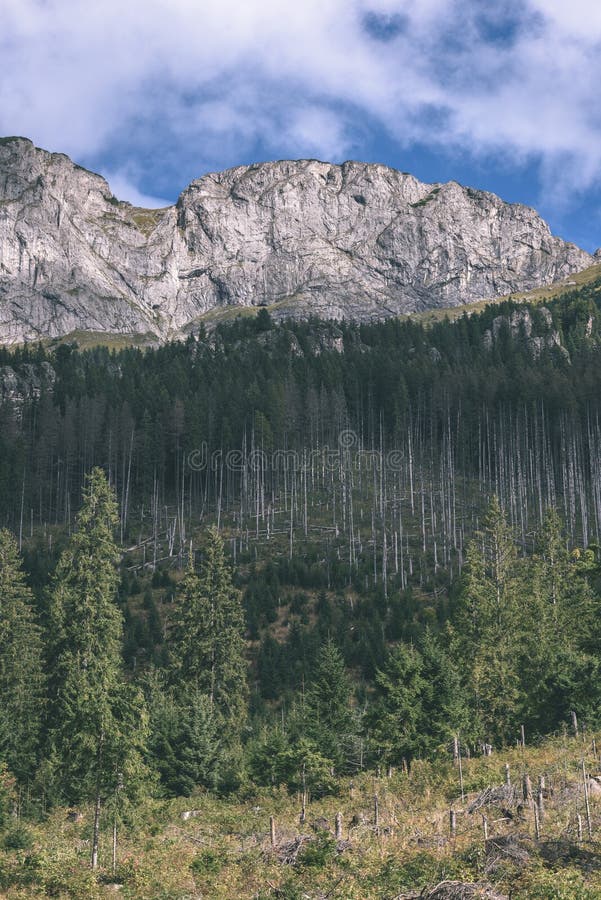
(19, 838)
(207, 862)
(397, 713)
(98, 723)
(208, 636)
(487, 620)
(21, 677)
(184, 746)
(8, 794)
(318, 853)
(327, 715)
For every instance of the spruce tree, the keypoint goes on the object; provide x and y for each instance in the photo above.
(329, 716)
(208, 636)
(444, 699)
(397, 715)
(490, 626)
(21, 678)
(97, 724)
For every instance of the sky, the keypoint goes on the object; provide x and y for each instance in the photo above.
(501, 96)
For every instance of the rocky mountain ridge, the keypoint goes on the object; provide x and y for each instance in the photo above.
(356, 241)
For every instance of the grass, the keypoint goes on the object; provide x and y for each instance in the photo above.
(87, 340)
(146, 220)
(223, 848)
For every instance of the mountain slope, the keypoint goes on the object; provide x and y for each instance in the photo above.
(351, 241)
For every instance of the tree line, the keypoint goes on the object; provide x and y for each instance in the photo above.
(514, 644)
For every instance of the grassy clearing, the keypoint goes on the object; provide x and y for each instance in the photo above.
(87, 340)
(221, 848)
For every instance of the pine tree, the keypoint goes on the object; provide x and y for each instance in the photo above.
(561, 663)
(97, 723)
(208, 636)
(184, 743)
(21, 678)
(488, 599)
(328, 713)
(444, 699)
(397, 715)
(490, 626)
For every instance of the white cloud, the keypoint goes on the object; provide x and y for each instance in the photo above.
(218, 78)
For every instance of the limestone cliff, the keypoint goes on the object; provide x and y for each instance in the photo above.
(304, 237)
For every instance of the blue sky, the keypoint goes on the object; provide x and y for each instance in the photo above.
(153, 93)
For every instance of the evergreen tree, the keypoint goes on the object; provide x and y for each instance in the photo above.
(208, 636)
(444, 700)
(329, 717)
(184, 744)
(97, 723)
(489, 628)
(561, 660)
(21, 678)
(397, 716)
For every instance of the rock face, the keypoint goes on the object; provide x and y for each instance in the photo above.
(27, 382)
(539, 337)
(303, 237)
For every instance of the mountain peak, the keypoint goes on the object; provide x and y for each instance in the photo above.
(304, 237)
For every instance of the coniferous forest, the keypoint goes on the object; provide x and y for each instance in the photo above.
(295, 562)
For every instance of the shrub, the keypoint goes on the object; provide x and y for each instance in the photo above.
(18, 838)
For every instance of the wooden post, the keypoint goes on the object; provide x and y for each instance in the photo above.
(389, 772)
(523, 736)
(579, 826)
(461, 777)
(485, 827)
(352, 789)
(507, 774)
(536, 823)
(540, 800)
(587, 804)
(527, 789)
(272, 830)
(376, 812)
(455, 748)
(338, 826)
(453, 822)
(574, 723)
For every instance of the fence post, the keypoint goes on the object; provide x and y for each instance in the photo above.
(453, 822)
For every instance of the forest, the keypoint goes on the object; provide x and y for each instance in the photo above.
(280, 556)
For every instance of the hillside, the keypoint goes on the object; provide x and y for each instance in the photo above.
(220, 848)
(353, 241)
(241, 572)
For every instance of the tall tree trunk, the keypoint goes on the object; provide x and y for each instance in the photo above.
(96, 831)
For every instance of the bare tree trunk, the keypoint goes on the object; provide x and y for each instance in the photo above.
(114, 846)
(96, 830)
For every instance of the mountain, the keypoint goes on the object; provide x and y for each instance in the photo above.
(356, 241)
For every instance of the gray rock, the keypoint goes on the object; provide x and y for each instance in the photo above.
(304, 237)
(26, 383)
(520, 322)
